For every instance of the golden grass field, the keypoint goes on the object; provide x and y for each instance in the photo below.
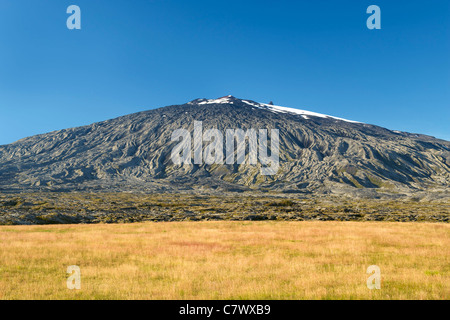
(226, 260)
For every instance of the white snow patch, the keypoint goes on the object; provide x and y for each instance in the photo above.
(257, 105)
(278, 109)
(303, 113)
(218, 101)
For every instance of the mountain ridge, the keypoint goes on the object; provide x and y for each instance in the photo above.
(318, 154)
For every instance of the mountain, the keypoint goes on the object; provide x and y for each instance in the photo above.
(317, 154)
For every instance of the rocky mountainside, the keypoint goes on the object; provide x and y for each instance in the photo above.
(318, 154)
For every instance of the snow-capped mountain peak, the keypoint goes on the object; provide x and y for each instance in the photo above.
(273, 108)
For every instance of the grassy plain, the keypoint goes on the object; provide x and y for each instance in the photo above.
(226, 260)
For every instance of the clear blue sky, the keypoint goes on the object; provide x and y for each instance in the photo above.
(142, 54)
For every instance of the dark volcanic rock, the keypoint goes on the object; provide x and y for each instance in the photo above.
(317, 154)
